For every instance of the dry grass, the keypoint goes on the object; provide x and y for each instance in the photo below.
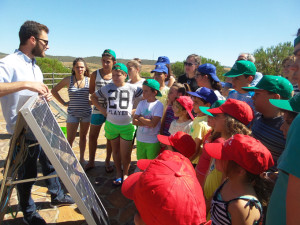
(94, 66)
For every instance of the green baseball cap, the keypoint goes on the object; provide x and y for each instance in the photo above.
(292, 104)
(153, 84)
(276, 84)
(111, 52)
(296, 41)
(241, 67)
(216, 104)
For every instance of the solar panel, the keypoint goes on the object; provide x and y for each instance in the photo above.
(41, 121)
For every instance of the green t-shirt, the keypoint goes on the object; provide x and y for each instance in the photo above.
(288, 163)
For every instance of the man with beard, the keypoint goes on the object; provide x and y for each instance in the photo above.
(21, 78)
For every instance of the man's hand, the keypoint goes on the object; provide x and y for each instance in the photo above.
(48, 96)
(38, 87)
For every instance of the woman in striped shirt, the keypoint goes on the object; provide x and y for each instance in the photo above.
(79, 107)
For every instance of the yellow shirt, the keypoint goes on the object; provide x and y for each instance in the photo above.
(199, 130)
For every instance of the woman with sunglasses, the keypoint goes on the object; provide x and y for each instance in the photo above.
(190, 67)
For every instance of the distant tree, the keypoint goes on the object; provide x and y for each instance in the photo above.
(48, 65)
(269, 61)
(178, 67)
(146, 75)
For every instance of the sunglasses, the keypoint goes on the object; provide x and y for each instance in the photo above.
(188, 64)
(44, 41)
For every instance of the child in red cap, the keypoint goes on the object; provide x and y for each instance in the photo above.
(182, 108)
(238, 200)
(167, 192)
(230, 118)
(179, 142)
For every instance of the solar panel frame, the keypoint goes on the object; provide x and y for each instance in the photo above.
(70, 172)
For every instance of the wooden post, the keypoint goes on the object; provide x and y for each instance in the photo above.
(52, 80)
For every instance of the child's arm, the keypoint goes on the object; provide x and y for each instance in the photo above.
(65, 82)
(149, 122)
(136, 122)
(197, 150)
(95, 102)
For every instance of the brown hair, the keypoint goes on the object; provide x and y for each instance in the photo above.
(197, 58)
(31, 28)
(87, 71)
(180, 88)
(291, 57)
(262, 187)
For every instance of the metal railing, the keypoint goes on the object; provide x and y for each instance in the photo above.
(55, 78)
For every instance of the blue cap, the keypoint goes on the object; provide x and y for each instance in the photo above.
(160, 68)
(163, 60)
(209, 69)
(206, 94)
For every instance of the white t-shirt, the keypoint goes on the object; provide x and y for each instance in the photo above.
(148, 110)
(119, 102)
(219, 96)
(184, 127)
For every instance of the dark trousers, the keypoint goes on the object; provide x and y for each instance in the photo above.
(29, 170)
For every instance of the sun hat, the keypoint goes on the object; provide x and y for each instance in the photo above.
(187, 103)
(182, 142)
(292, 104)
(205, 93)
(241, 67)
(276, 84)
(160, 68)
(120, 66)
(111, 52)
(153, 84)
(163, 60)
(237, 109)
(246, 151)
(215, 105)
(209, 69)
(167, 192)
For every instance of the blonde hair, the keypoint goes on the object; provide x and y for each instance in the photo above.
(233, 126)
(136, 62)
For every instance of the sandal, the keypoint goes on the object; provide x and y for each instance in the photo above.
(109, 169)
(117, 182)
(88, 167)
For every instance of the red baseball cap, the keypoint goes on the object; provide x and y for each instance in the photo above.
(246, 151)
(167, 192)
(238, 109)
(186, 103)
(182, 142)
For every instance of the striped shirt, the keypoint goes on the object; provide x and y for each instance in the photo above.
(79, 105)
(100, 82)
(268, 132)
(296, 89)
(219, 208)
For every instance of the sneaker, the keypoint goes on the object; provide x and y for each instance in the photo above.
(65, 200)
(34, 219)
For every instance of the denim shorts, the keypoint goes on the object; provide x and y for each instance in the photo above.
(73, 119)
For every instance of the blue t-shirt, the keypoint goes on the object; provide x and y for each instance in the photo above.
(288, 163)
(245, 97)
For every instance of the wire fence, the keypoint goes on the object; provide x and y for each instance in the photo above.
(51, 79)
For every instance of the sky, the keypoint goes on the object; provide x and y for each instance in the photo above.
(216, 29)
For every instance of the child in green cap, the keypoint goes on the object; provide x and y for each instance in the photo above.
(148, 119)
(242, 74)
(119, 97)
(266, 125)
(100, 78)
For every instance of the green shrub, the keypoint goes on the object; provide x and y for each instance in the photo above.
(146, 75)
